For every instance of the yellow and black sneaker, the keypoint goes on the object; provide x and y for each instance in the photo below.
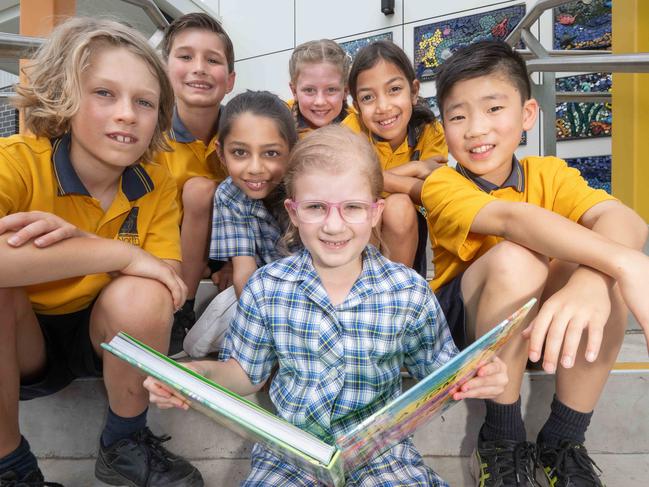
(568, 465)
(504, 463)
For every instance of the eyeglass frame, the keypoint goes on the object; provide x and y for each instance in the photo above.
(293, 205)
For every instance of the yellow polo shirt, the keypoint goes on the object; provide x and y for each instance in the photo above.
(37, 174)
(301, 124)
(419, 144)
(453, 198)
(190, 157)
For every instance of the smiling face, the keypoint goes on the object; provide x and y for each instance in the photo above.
(385, 98)
(483, 121)
(198, 69)
(334, 243)
(118, 112)
(256, 159)
(320, 92)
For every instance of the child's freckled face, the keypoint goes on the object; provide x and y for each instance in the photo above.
(118, 111)
(320, 92)
(198, 69)
(385, 99)
(483, 121)
(334, 243)
(255, 154)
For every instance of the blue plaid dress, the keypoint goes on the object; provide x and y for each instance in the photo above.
(242, 226)
(338, 364)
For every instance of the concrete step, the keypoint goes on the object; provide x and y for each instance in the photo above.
(631, 470)
(67, 424)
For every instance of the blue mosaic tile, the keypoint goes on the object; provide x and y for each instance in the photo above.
(594, 169)
(583, 24)
(352, 47)
(435, 42)
(576, 120)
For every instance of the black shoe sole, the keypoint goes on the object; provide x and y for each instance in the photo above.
(107, 475)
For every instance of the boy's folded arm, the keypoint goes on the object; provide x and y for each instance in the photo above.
(552, 235)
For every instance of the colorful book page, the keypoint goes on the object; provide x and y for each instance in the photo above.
(578, 120)
(583, 24)
(428, 398)
(434, 43)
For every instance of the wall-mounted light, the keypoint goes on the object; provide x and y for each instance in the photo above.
(387, 7)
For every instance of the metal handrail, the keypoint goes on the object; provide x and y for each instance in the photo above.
(17, 46)
(550, 62)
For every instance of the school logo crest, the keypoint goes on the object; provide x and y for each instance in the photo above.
(128, 231)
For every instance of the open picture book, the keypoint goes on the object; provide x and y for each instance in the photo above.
(388, 426)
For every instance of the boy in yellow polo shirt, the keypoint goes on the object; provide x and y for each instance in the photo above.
(89, 243)
(504, 231)
(200, 64)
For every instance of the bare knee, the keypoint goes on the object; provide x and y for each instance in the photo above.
(516, 268)
(198, 194)
(399, 215)
(139, 306)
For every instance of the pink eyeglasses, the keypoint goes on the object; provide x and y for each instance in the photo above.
(312, 211)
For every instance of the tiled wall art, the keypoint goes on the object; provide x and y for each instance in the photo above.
(577, 120)
(583, 24)
(437, 41)
(594, 169)
(352, 47)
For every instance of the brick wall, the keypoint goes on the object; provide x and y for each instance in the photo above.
(8, 115)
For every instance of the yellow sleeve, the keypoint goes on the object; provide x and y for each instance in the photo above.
(162, 237)
(15, 183)
(353, 122)
(433, 141)
(452, 202)
(572, 195)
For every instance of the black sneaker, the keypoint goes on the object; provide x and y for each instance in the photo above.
(504, 463)
(568, 465)
(142, 461)
(184, 319)
(32, 479)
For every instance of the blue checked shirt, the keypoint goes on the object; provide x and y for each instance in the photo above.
(242, 226)
(337, 364)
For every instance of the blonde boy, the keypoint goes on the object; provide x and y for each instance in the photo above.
(89, 243)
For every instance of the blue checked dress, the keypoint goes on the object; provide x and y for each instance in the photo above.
(242, 226)
(338, 364)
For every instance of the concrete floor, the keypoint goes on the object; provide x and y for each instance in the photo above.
(619, 471)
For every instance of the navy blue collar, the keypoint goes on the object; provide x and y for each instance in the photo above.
(135, 180)
(180, 133)
(516, 178)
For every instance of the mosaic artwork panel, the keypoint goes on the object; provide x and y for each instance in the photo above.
(352, 47)
(594, 169)
(435, 42)
(576, 120)
(583, 24)
(432, 103)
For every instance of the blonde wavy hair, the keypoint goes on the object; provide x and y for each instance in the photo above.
(52, 93)
(333, 149)
(322, 51)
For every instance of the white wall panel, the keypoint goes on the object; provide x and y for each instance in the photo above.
(258, 27)
(317, 19)
(263, 73)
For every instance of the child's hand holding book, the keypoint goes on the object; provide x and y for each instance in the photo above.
(489, 382)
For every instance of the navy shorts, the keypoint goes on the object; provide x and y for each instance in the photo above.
(421, 258)
(69, 354)
(450, 299)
